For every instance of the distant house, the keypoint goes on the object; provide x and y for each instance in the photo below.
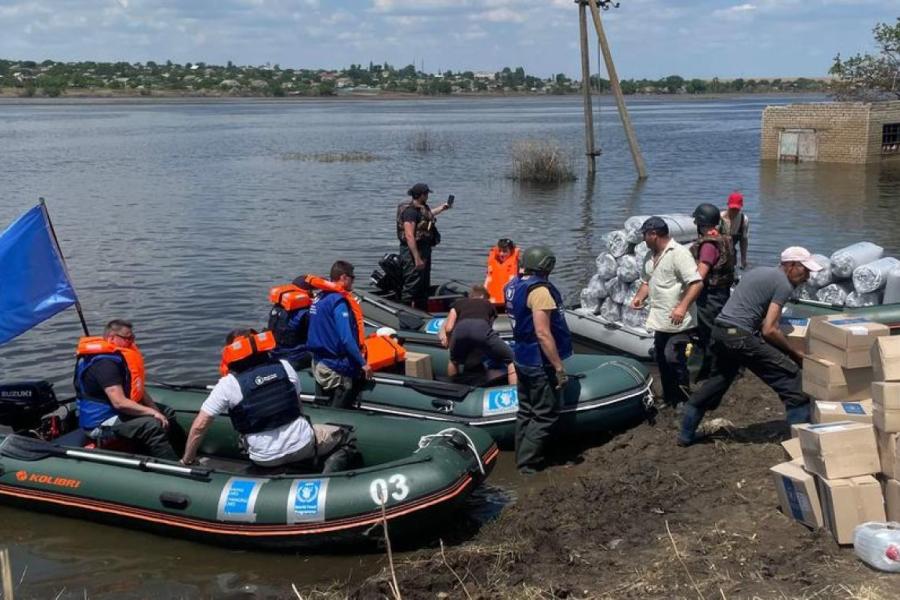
(838, 132)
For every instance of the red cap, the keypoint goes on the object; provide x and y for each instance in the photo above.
(736, 200)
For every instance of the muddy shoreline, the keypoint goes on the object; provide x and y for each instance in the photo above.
(643, 518)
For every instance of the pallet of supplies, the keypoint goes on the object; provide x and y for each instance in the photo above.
(797, 494)
(839, 450)
(833, 412)
(848, 502)
(827, 380)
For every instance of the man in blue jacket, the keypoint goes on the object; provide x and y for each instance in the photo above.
(335, 338)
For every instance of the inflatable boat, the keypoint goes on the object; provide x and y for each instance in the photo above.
(605, 393)
(888, 314)
(593, 332)
(413, 473)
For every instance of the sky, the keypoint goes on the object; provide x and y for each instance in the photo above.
(649, 38)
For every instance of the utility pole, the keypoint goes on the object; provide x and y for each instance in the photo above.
(616, 88)
(590, 151)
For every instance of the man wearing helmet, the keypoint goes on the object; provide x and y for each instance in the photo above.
(714, 254)
(542, 342)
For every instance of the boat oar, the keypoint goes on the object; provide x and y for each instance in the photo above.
(429, 388)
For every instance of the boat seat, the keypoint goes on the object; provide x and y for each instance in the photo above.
(76, 438)
(478, 378)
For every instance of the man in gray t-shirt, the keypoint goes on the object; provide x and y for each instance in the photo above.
(747, 334)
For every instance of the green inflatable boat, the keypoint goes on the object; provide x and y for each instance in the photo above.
(888, 314)
(605, 393)
(419, 469)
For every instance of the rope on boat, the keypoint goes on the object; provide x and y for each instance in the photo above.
(425, 440)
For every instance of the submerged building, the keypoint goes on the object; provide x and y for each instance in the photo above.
(834, 132)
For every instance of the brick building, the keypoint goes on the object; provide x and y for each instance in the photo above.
(838, 132)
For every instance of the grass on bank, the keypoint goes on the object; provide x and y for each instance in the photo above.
(331, 157)
(541, 161)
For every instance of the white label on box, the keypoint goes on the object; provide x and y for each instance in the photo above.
(828, 427)
(858, 330)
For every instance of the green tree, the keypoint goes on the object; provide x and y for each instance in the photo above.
(871, 77)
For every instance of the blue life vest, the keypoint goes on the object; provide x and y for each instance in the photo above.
(324, 341)
(93, 411)
(527, 349)
(269, 399)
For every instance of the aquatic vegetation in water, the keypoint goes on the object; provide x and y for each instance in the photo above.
(330, 157)
(424, 141)
(541, 161)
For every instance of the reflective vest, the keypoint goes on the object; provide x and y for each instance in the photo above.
(527, 349)
(93, 411)
(268, 399)
(426, 231)
(324, 341)
(289, 317)
(499, 273)
(721, 274)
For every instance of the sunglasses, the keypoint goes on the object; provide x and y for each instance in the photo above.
(127, 338)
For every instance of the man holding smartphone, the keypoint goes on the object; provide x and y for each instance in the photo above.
(418, 234)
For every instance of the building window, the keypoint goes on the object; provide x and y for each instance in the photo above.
(890, 138)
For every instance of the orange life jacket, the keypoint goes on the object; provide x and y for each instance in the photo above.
(134, 362)
(245, 346)
(382, 352)
(330, 286)
(290, 297)
(500, 273)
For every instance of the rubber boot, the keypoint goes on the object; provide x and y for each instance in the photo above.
(798, 414)
(689, 423)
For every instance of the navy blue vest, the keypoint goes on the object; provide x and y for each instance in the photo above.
(93, 411)
(527, 349)
(291, 330)
(269, 399)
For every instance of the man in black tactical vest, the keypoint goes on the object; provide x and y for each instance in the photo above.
(418, 234)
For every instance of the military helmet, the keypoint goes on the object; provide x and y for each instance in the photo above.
(706, 215)
(538, 258)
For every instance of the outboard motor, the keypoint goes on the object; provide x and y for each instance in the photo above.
(389, 279)
(23, 405)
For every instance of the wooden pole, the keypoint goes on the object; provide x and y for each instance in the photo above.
(617, 92)
(586, 90)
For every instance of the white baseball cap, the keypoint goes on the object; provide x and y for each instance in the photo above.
(801, 255)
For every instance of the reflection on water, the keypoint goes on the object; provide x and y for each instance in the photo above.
(181, 216)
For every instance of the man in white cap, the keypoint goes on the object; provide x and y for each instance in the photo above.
(747, 334)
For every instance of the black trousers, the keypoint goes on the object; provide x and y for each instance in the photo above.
(734, 349)
(538, 414)
(709, 305)
(671, 358)
(416, 283)
(149, 435)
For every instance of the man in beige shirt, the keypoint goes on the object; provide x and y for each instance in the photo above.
(672, 283)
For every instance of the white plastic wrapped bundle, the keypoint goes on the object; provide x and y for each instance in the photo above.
(807, 291)
(630, 290)
(824, 277)
(633, 228)
(606, 265)
(597, 285)
(834, 293)
(618, 290)
(590, 301)
(856, 300)
(611, 311)
(873, 276)
(845, 260)
(617, 243)
(877, 544)
(681, 227)
(629, 269)
(635, 318)
(892, 287)
(640, 251)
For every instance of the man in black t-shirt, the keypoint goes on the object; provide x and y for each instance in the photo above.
(417, 234)
(469, 328)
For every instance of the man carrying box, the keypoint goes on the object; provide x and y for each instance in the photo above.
(747, 334)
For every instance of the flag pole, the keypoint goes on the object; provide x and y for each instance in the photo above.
(63, 261)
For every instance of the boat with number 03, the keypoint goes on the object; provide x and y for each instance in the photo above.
(414, 472)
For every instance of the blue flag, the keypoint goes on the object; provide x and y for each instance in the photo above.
(34, 284)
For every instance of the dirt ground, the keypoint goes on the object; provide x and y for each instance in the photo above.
(642, 518)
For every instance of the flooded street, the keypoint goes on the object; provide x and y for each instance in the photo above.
(179, 216)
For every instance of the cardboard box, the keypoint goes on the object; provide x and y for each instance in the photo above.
(886, 358)
(795, 329)
(853, 358)
(848, 502)
(797, 494)
(833, 412)
(418, 365)
(889, 453)
(847, 332)
(892, 500)
(887, 421)
(839, 450)
(824, 379)
(886, 395)
(792, 449)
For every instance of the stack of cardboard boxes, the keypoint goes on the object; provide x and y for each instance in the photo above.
(852, 375)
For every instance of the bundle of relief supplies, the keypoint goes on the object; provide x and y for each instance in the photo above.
(854, 276)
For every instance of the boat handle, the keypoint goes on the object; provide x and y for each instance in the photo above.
(442, 405)
(174, 500)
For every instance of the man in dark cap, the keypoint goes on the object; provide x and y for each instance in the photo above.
(418, 234)
(671, 283)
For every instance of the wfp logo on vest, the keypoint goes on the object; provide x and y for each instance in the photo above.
(306, 498)
(263, 379)
(434, 326)
(501, 401)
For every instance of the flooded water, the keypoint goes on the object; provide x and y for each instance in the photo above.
(180, 216)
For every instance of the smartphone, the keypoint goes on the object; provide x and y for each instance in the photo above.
(450, 199)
